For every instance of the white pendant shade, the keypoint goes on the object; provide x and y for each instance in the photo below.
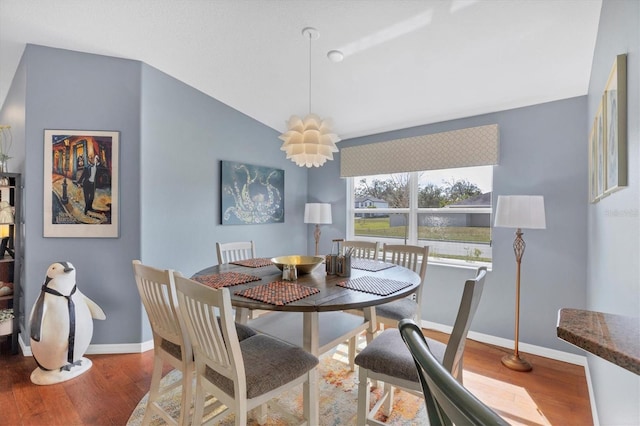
(309, 141)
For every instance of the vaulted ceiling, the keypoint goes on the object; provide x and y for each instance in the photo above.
(406, 62)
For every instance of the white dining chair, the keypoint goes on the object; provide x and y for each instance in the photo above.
(233, 251)
(171, 343)
(362, 249)
(416, 259)
(241, 375)
(387, 359)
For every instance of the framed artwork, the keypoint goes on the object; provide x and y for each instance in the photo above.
(600, 152)
(608, 137)
(593, 169)
(597, 153)
(615, 124)
(81, 183)
(251, 194)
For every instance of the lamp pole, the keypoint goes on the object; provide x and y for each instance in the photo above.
(316, 235)
(514, 361)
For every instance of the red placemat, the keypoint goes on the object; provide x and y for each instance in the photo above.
(278, 292)
(374, 285)
(257, 262)
(225, 279)
(370, 265)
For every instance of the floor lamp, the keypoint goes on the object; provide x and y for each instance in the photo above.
(520, 212)
(317, 213)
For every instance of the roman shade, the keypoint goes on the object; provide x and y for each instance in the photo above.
(474, 146)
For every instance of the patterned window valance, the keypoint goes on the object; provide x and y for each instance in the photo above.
(475, 146)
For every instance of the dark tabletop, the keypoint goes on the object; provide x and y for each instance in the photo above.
(331, 297)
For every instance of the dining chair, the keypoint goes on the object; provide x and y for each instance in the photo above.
(411, 257)
(362, 249)
(387, 359)
(231, 252)
(241, 375)
(171, 343)
(390, 313)
(239, 250)
(447, 401)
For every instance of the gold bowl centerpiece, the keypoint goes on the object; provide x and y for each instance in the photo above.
(304, 264)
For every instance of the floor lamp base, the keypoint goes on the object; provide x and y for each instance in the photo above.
(514, 362)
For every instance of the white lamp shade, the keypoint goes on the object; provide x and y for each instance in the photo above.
(317, 213)
(520, 211)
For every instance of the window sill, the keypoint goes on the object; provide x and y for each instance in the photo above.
(460, 264)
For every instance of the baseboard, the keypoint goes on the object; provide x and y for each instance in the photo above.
(123, 348)
(508, 344)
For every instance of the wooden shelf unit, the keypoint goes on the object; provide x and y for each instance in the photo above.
(11, 257)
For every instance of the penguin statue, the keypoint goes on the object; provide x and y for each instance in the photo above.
(61, 327)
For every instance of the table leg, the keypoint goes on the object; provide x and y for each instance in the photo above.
(370, 315)
(242, 315)
(311, 390)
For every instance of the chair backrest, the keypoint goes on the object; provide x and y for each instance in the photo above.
(362, 249)
(158, 295)
(411, 257)
(215, 343)
(447, 401)
(240, 250)
(471, 293)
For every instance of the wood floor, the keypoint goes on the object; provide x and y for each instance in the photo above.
(554, 393)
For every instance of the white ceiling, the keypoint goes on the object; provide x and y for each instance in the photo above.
(407, 62)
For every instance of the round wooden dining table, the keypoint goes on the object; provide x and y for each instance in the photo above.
(319, 321)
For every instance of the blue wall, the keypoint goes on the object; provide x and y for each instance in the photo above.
(613, 263)
(71, 90)
(185, 136)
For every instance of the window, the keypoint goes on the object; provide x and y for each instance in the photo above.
(449, 210)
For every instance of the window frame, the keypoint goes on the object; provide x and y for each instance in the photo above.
(413, 211)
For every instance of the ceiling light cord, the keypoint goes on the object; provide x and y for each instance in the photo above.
(309, 109)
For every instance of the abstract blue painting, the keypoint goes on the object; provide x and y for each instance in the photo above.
(251, 194)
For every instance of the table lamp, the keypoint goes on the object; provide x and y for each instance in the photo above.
(519, 211)
(317, 213)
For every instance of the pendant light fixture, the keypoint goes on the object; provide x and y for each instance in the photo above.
(309, 142)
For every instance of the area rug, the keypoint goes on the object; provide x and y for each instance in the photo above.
(338, 399)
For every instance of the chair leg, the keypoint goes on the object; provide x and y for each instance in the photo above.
(198, 410)
(241, 412)
(364, 396)
(187, 394)
(353, 344)
(154, 389)
(387, 407)
(261, 413)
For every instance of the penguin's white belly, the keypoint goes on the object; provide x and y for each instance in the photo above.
(52, 349)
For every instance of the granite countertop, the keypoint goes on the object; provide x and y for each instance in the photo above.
(615, 338)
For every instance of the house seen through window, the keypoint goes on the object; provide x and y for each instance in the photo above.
(448, 210)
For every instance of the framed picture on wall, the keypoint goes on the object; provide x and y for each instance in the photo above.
(250, 194)
(615, 125)
(593, 163)
(81, 183)
(597, 157)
